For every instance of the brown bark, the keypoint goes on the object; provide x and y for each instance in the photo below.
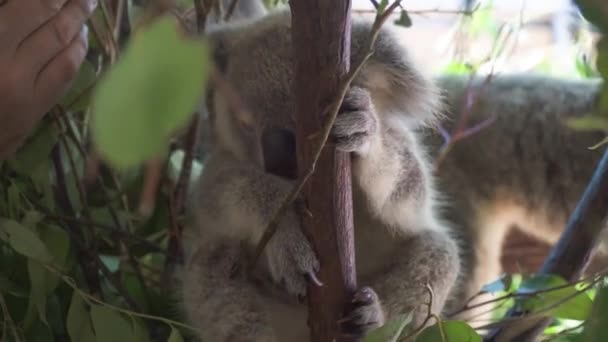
(321, 39)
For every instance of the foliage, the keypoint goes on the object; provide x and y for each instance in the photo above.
(148, 94)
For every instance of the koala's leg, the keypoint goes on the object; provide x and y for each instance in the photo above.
(426, 258)
(223, 307)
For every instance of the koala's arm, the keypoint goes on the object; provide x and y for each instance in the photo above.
(392, 168)
(242, 197)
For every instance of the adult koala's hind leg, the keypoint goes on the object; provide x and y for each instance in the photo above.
(425, 258)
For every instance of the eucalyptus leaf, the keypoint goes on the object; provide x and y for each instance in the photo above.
(404, 19)
(23, 240)
(79, 321)
(453, 331)
(564, 302)
(140, 332)
(151, 92)
(390, 331)
(38, 286)
(110, 325)
(175, 336)
(79, 95)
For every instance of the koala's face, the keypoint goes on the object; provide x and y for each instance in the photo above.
(259, 67)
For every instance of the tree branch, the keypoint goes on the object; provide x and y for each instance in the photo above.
(322, 61)
(569, 257)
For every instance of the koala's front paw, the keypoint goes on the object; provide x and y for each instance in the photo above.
(356, 122)
(291, 259)
(364, 314)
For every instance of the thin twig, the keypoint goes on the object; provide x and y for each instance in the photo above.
(429, 315)
(326, 129)
(152, 178)
(231, 9)
(152, 247)
(86, 256)
(92, 299)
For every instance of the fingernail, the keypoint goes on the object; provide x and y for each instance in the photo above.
(85, 31)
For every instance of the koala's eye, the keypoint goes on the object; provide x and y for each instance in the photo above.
(279, 151)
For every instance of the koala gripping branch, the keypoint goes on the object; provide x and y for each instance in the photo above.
(321, 43)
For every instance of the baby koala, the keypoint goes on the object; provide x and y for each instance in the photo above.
(402, 249)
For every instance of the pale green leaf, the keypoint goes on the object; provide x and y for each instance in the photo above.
(33, 157)
(110, 325)
(150, 93)
(23, 240)
(38, 286)
(175, 336)
(78, 321)
(140, 333)
(79, 95)
(564, 302)
(390, 331)
(451, 331)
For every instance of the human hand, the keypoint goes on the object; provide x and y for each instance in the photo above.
(42, 45)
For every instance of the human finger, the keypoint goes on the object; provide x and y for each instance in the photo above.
(52, 37)
(19, 18)
(55, 78)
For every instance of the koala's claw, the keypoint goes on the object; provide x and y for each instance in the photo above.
(292, 261)
(356, 123)
(364, 314)
(312, 277)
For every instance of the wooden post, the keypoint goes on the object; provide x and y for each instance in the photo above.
(321, 44)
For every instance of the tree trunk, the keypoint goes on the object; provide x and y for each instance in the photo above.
(321, 42)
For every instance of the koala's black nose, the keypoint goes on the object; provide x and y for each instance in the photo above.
(279, 150)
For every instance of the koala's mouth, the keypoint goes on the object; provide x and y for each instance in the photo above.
(279, 151)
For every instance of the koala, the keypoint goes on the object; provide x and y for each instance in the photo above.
(528, 169)
(249, 170)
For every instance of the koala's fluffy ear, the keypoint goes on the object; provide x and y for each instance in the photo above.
(396, 83)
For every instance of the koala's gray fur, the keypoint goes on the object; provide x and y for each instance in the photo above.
(401, 245)
(527, 170)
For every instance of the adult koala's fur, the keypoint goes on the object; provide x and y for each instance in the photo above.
(528, 169)
(401, 245)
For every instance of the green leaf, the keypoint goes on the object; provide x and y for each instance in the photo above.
(110, 325)
(33, 157)
(589, 123)
(39, 333)
(79, 321)
(23, 240)
(596, 328)
(140, 332)
(577, 307)
(453, 331)
(79, 95)
(390, 331)
(150, 93)
(175, 336)
(10, 287)
(38, 286)
(404, 19)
